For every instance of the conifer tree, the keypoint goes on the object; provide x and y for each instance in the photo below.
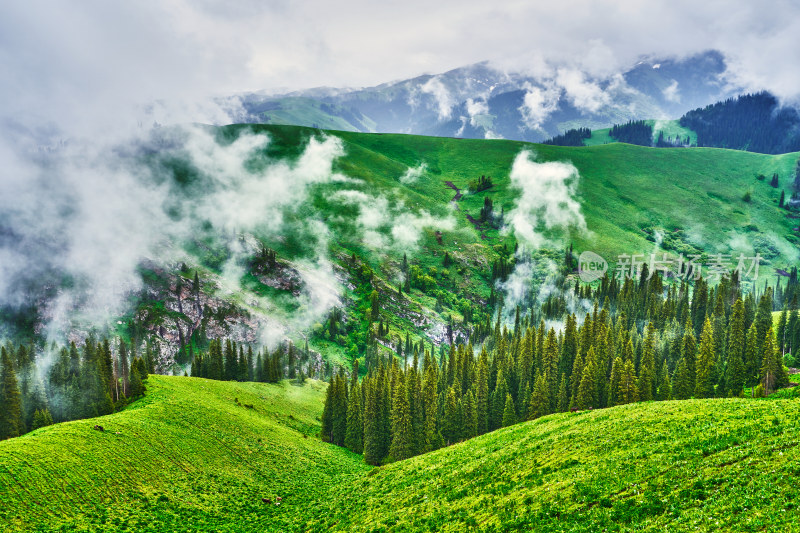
(372, 425)
(482, 393)
(735, 369)
(450, 425)
(430, 395)
(586, 389)
(136, 385)
(326, 432)
(773, 375)
(682, 388)
(752, 357)
(10, 401)
(616, 379)
(664, 384)
(704, 371)
(689, 352)
(470, 415)
(647, 370)
(402, 446)
(539, 404)
(627, 392)
(509, 412)
(354, 438)
(550, 362)
(563, 395)
(498, 401)
(41, 418)
(339, 410)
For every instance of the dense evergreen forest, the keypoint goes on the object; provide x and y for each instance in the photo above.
(641, 341)
(633, 132)
(85, 383)
(753, 122)
(573, 137)
(97, 380)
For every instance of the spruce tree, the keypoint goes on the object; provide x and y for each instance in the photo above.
(539, 404)
(429, 398)
(373, 436)
(550, 362)
(10, 401)
(509, 412)
(689, 352)
(482, 394)
(450, 426)
(586, 389)
(41, 418)
(682, 388)
(704, 371)
(563, 395)
(498, 402)
(136, 385)
(326, 433)
(339, 410)
(647, 368)
(773, 375)
(628, 391)
(470, 415)
(402, 446)
(664, 385)
(752, 357)
(616, 378)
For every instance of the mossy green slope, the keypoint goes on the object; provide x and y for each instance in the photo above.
(193, 455)
(697, 465)
(190, 457)
(626, 192)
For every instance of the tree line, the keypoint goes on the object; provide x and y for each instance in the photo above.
(753, 122)
(633, 132)
(642, 341)
(571, 137)
(226, 360)
(79, 383)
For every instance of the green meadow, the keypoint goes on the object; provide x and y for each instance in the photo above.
(199, 455)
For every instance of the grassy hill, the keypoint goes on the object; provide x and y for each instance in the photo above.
(190, 457)
(625, 191)
(193, 455)
(698, 465)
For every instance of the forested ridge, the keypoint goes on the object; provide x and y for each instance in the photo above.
(753, 122)
(646, 341)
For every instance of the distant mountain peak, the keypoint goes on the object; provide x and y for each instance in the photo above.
(482, 100)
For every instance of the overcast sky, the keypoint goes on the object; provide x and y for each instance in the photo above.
(71, 62)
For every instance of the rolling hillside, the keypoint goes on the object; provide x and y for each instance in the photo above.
(193, 455)
(198, 455)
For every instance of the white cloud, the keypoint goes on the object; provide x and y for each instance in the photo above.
(538, 103)
(547, 199)
(444, 100)
(671, 93)
(384, 226)
(476, 107)
(412, 174)
(584, 94)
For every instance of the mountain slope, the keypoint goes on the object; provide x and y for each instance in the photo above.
(698, 465)
(689, 201)
(193, 456)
